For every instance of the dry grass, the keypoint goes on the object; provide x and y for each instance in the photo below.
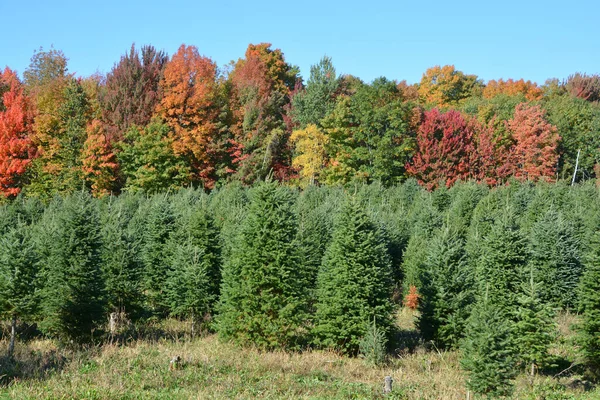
(213, 369)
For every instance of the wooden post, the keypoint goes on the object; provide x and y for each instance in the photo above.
(387, 384)
(13, 333)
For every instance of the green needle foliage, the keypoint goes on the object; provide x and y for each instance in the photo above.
(502, 261)
(488, 351)
(555, 258)
(354, 284)
(73, 297)
(446, 292)
(194, 277)
(19, 297)
(589, 302)
(264, 293)
(154, 252)
(535, 329)
(121, 264)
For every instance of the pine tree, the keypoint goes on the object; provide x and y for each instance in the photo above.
(263, 295)
(19, 297)
(588, 331)
(488, 350)
(446, 292)
(194, 277)
(354, 284)
(73, 295)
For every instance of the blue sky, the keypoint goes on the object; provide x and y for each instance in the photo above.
(400, 39)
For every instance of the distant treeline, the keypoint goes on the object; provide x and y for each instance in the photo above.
(276, 267)
(156, 122)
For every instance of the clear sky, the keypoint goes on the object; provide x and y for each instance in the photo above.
(399, 39)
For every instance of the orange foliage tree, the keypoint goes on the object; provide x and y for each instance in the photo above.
(529, 89)
(189, 107)
(98, 162)
(533, 155)
(16, 149)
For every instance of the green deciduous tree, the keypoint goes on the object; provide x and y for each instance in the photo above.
(148, 162)
(371, 137)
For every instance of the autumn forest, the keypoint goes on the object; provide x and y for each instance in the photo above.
(382, 224)
(156, 122)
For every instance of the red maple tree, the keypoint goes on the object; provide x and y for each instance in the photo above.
(16, 149)
(445, 147)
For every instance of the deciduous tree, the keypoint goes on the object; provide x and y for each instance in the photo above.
(16, 148)
(533, 156)
(131, 92)
(190, 107)
(445, 86)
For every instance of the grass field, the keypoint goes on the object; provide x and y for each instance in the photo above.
(212, 369)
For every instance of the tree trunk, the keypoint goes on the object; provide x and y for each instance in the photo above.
(13, 333)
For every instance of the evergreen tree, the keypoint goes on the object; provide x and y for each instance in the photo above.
(121, 266)
(315, 208)
(354, 284)
(263, 295)
(318, 99)
(194, 277)
(73, 295)
(554, 250)
(426, 220)
(228, 205)
(535, 328)
(446, 292)
(588, 330)
(502, 262)
(19, 297)
(488, 350)
(155, 252)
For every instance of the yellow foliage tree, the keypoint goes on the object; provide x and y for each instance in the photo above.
(310, 152)
(445, 86)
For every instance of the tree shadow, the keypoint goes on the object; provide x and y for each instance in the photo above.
(405, 341)
(27, 365)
